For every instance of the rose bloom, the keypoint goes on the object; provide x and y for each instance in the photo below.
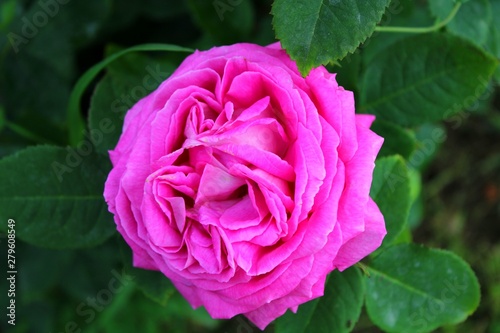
(245, 183)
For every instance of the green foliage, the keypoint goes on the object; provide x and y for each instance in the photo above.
(429, 138)
(225, 22)
(397, 140)
(56, 195)
(471, 22)
(415, 289)
(425, 78)
(493, 38)
(391, 191)
(337, 311)
(128, 80)
(316, 32)
(74, 116)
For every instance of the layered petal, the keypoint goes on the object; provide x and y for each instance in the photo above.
(244, 183)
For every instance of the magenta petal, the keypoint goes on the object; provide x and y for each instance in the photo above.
(359, 172)
(309, 164)
(365, 243)
(240, 215)
(332, 97)
(217, 184)
(161, 232)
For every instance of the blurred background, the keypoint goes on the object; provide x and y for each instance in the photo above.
(46, 45)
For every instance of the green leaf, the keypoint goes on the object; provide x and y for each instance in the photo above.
(416, 289)
(55, 195)
(441, 8)
(226, 21)
(128, 80)
(416, 213)
(44, 65)
(493, 42)
(404, 236)
(397, 140)
(75, 120)
(316, 32)
(337, 311)
(430, 138)
(391, 191)
(105, 117)
(154, 284)
(400, 13)
(472, 21)
(425, 78)
(415, 183)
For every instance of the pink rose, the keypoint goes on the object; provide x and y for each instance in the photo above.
(245, 183)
